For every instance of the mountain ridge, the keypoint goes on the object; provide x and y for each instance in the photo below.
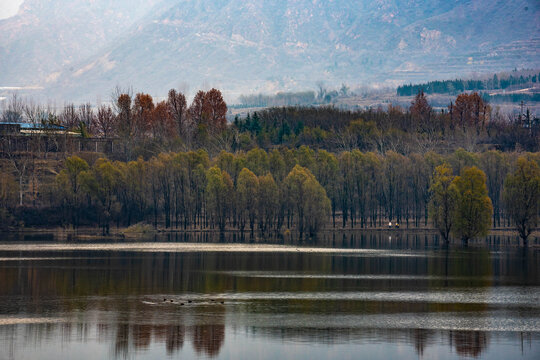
(263, 46)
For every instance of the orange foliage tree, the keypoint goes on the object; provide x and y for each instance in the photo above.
(470, 110)
(177, 107)
(209, 109)
(143, 108)
(162, 124)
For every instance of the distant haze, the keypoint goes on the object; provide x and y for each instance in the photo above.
(80, 50)
(8, 8)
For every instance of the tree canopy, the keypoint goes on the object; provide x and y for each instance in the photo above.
(522, 196)
(473, 206)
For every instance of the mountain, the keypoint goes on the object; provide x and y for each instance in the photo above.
(245, 46)
(48, 37)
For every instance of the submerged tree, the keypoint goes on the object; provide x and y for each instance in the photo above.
(218, 193)
(268, 203)
(8, 199)
(473, 211)
(307, 200)
(100, 183)
(522, 196)
(443, 201)
(247, 189)
(69, 182)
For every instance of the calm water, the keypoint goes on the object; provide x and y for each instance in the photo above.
(382, 297)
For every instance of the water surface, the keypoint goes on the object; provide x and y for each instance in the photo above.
(372, 295)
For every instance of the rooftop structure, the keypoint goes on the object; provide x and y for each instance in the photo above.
(14, 128)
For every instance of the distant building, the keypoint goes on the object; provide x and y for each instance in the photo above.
(14, 128)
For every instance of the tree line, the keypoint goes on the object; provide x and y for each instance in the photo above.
(302, 189)
(468, 122)
(143, 128)
(457, 86)
(279, 99)
(373, 165)
(515, 98)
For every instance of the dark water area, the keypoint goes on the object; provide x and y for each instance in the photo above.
(356, 295)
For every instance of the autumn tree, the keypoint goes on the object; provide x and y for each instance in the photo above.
(196, 109)
(143, 107)
(421, 112)
(470, 110)
(443, 202)
(522, 196)
(208, 109)
(162, 124)
(214, 109)
(125, 122)
(472, 215)
(177, 109)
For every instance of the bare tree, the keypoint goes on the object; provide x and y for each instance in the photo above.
(86, 117)
(19, 160)
(69, 117)
(13, 111)
(115, 95)
(105, 121)
(177, 108)
(196, 110)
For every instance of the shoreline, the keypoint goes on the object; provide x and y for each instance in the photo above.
(330, 238)
(125, 232)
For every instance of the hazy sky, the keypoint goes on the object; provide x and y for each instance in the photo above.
(9, 8)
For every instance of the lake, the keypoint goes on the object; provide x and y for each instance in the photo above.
(374, 295)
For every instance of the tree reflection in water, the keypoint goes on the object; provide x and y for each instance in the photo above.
(205, 338)
(208, 338)
(469, 343)
(405, 291)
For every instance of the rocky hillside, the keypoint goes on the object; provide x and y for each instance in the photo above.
(81, 50)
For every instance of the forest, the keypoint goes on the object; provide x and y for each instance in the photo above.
(457, 86)
(297, 169)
